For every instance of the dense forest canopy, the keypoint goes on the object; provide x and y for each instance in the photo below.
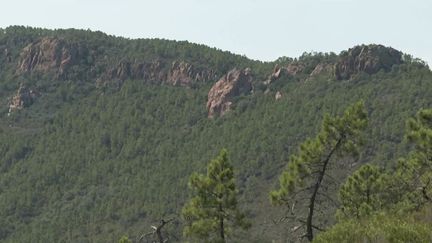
(99, 134)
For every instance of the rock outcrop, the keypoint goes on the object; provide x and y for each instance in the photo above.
(23, 98)
(366, 58)
(149, 71)
(276, 74)
(179, 73)
(322, 68)
(183, 74)
(291, 69)
(294, 68)
(220, 97)
(50, 55)
(278, 95)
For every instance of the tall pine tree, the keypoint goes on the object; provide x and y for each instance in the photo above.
(307, 179)
(213, 210)
(414, 173)
(364, 192)
(407, 188)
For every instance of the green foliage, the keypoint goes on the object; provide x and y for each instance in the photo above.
(379, 228)
(338, 135)
(405, 188)
(213, 210)
(88, 164)
(363, 192)
(413, 176)
(379, 206)
(311, 169)
(124, 239)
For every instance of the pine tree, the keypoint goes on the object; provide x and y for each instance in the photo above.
(364, 192)
(213, 210)
(307, 178)
(414, 173)
(408, 187)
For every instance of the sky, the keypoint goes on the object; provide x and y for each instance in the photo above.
(259, 29)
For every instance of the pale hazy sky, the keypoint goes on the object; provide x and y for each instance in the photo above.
(259, 29)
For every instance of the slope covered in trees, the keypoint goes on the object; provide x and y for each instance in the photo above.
(106, 149)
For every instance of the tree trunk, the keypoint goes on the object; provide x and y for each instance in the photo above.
(221, 224)
(309, 225)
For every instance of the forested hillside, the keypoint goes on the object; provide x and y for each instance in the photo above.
(99, 134)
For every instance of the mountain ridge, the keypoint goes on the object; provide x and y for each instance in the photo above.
(89, 162)
(64, 57)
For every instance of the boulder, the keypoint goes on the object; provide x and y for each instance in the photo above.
(220, 97)
(278, 95)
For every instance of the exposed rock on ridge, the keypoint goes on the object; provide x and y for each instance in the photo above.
(291, 69)
(180, 73)
(366, 58)
(62, 58)
(183, 74)
(294, 68)
(23, 98)
(322, 68)
(236, 82)
(50, 54)
(56, 56)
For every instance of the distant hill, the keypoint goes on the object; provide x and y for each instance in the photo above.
(99, 134)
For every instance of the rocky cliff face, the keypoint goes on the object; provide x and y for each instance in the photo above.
(24, 97)
(50, 54)
(184, 74)
(294, 68)
(56, 56)
(322, 68)
(180, 73)
(369, 59)
(236, 82)
(366, 58)
(291, 69)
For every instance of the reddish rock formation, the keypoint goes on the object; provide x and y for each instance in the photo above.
(50, 54)
(234, 83)
(151, 72)
(294, 68)
(277, 72)
(180, 73)
(321, 68)
(369, 59)
(23, 98)
(290, 70)
(183, 74)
